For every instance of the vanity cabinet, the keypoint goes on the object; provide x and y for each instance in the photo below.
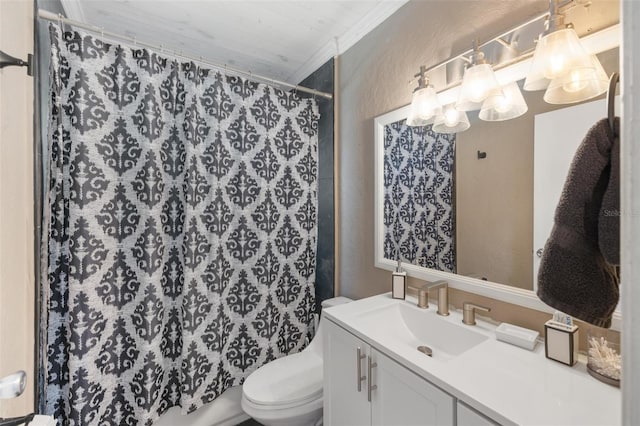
(345, 383)
(467, 416)
(362, 386)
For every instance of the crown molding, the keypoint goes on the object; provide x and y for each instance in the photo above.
(341, 44)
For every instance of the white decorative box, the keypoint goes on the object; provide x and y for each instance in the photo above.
(561, 342)
(518, 336)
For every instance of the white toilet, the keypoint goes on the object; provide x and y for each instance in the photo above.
(288, 391)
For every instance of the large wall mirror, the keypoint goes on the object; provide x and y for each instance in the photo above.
(476, 207)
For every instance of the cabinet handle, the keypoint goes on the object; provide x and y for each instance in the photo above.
(370, 387)
(359, 377)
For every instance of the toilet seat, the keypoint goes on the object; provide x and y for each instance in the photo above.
(286, 382)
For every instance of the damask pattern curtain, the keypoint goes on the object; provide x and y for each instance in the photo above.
(418, 196)
(181, 231)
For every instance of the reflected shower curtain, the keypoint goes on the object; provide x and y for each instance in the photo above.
(180, 231)
(419, 196)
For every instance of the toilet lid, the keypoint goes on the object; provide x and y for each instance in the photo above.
(295, 378)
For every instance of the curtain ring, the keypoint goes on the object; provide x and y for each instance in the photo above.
(102, 32)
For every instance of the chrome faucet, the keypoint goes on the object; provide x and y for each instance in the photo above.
(443, 295)
(469, 312)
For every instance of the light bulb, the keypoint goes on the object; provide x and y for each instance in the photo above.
(556, 54)
(557, 66)
(477, 91)
(450, 120)
(583, 82)
(451, 117)
(563, 48)
(427, 103)
(478, 81)
(577, 80)
(503, 104)
(424, 106)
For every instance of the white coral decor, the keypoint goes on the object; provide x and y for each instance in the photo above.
(603, 359)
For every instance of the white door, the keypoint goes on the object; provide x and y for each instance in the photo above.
(554, 148)
(345, 392)
(401, 398)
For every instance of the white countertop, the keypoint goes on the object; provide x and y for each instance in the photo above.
(507, 383)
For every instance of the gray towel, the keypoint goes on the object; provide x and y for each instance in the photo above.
(574, 276)
(609, 219)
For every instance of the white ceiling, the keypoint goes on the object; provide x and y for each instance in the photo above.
(285, 40)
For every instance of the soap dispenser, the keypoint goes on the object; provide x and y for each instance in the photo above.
(398, 283)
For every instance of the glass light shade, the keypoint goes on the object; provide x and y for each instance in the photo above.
(478, 81)
(504, 104)
(413, 120)
(579, 84)
(424, 107)
(451, 121)
(556, 53)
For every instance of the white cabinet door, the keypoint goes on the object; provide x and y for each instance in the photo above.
(402, 398)
(469, 417)
(344, 403)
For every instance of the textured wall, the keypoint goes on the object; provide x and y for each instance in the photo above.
(373, 80)
(16, 205)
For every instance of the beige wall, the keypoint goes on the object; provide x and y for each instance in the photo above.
(374, 77)
(494, 201)
(16, 204)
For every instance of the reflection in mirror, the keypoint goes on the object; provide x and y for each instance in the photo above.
(446, 207)
(418, 196)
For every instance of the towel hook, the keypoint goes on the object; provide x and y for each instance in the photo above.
(611, 96)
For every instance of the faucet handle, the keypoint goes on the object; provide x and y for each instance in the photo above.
(423, 295)
(469, 312)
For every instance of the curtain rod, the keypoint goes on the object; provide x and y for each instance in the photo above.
(50, 16)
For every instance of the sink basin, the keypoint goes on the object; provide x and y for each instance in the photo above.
(407, 325)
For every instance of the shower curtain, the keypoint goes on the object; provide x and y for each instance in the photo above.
(418, 196)
(180, 231)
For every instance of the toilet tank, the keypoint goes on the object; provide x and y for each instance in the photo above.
(335, 301)
(316, 344)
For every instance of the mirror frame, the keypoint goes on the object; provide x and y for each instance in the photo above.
(600, 41)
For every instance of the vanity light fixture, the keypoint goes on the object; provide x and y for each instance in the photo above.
(504, 104)
(451, 120)
(425, 105)
(478, 82)
(559, 64)
(562, 65)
